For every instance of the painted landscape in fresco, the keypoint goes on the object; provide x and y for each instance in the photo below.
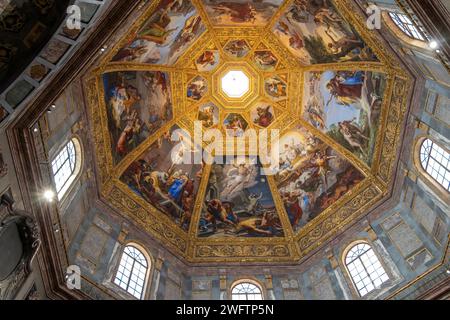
(311, 176)
(138, 104)
(346, 105)
(240, 12)
(316, 33)
(238, 202)
(162, 179)
(168, 32)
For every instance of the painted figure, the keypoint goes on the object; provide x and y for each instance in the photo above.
(264, 116)
(164, 180)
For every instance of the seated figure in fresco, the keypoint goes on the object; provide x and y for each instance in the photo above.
(196, 89)
(235, 128)
(276, 88)
(206, 116)
(265, 116)
(207, 58)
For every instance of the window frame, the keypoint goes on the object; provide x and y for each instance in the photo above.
(251, 281)
(349, 274)
(148, 273)
(408, 27)
(425, 177)
(427, 168)
(76, 171)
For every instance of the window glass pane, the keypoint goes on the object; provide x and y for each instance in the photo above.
(246, 291)
(365, 269)
(436, 162)
(132, 271)
(63, 167)
(407, 26)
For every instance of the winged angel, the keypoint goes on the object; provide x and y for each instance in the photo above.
(239, 177)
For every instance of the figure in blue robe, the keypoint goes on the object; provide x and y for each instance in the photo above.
(356, 79)
(176, 189)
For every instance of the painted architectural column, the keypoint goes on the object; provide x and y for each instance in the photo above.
(269, 286)
(223, 285)
(157, 277)
(339, 277)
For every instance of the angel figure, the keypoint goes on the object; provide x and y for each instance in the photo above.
(238, 178)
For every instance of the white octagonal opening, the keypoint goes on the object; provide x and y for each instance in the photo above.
(235, 84)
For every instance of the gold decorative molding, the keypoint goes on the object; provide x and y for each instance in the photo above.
(292, 246)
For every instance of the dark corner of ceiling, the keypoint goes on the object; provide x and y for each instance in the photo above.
(26, 26)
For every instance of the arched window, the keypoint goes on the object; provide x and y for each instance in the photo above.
(246, 290)
(131, 275)
(66, 166)
(365, 269)
(407, 26)
(436, 162)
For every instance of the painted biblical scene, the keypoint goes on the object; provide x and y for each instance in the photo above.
(252, 13)
(166, 34)
(346, 105)
(237, 48)
(197, 88)
(208, 114)
(311, 176)
(138, 104)
(235, 125)
(165, 178)
(208, 61)
(275, 88)
(265, 60)
(238, 202)
(262, 114)
(316, 33)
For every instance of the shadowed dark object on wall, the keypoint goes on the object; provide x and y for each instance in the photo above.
(19, 242)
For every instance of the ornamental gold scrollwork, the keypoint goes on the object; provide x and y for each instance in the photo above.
(292, 246)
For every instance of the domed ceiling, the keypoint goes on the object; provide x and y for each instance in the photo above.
(309, 72)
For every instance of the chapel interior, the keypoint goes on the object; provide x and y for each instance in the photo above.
(224, 150)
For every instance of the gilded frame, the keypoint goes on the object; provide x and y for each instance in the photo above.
(330, 222)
